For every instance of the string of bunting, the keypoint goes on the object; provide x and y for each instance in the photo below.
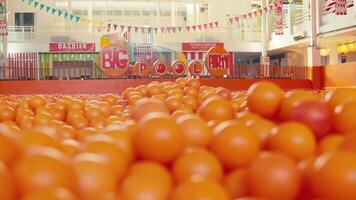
(261, 11)
(166, 29)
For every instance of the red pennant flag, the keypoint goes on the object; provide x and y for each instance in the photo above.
(194, 27)
(237, 19)
(216, 23)
(162, 30)
(149, 30)
(205, 26)
(180, 29)
(199, 26)
(122, 28)
(245, 16)
(255, 13)
(231, 20)
(129, 29)
(260, 11)
(174, 29)
(156, 30)
(265, 9)
(136, 29)
(169, 30)
(188, 28)
(211, 25)
(250, 14)
(115, 27)
(271, 7)
(109, 27)
(142, 29)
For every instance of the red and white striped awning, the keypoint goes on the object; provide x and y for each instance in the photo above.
(330, 5)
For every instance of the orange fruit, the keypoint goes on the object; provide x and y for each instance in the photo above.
(216, 109)
(264, 98)
(43, 168)
(345, 118)
(146, 106)
(93, 177)
(330, 143)
(200, 189)
(195, 130)
(234, 144)
(273, 176)
(197, 162)
(293, 139)
(52, 194)
(106, 147)
(146, 180)
(6, 184)
(235, 183)
(158, 138)
(332, 176)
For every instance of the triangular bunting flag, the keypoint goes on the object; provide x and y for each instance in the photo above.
(174, 30)
(231, 20)
(237, 19)
(36, 3)
(42, 6)
(115, 27)
(216, 23)
(156, 30)
(180, 29)
(122, 28)
(48, 8)
(199, 26)
(149, 30)
(142, 29)
(211, 25)
(255, 13)
(245, 16)
(77, 18)
(109, 27)
(71, 17)
(169, 30)
(162, 30)
(250, 14)
(30, 2)
(129, 29)
(270, 7)
(260, 11)
(136, 29)
(59, 13)
(188, 28)
(65, 15)
(194, 27)
(265, 9)
(205, 26)
(53, 11)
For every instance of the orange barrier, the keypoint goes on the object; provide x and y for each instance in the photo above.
(116, 86)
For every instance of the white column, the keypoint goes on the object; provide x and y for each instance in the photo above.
(314, 58)
(264, 37)
(333, 55)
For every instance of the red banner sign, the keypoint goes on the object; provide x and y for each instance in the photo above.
(200, 46)
(72, 47)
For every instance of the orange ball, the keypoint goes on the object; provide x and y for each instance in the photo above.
(197, 162)
(216, 109)
(234, 144)
(146, 106)
(52, 194)
(330, 143)
(291, 100)
(6, 183)
(195, 130)
(235, 183)
(293, 139)
(345, 117)
(200, 189)
(264, 98)
(339, 96)
(37, 101)
(158, 138)
(43, 168)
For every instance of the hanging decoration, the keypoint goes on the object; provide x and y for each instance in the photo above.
(331, 6)
(278, 17)
(3, 19)
(340, 7)
(253, 14)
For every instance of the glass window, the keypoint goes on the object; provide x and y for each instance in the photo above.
(24, 19)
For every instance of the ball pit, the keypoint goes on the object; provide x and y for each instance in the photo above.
(180, 141)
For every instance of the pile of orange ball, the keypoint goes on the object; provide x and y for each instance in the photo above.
(180, 141)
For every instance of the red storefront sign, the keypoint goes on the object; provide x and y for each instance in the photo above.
(72, 47)
(200, 46)
(114, 62)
